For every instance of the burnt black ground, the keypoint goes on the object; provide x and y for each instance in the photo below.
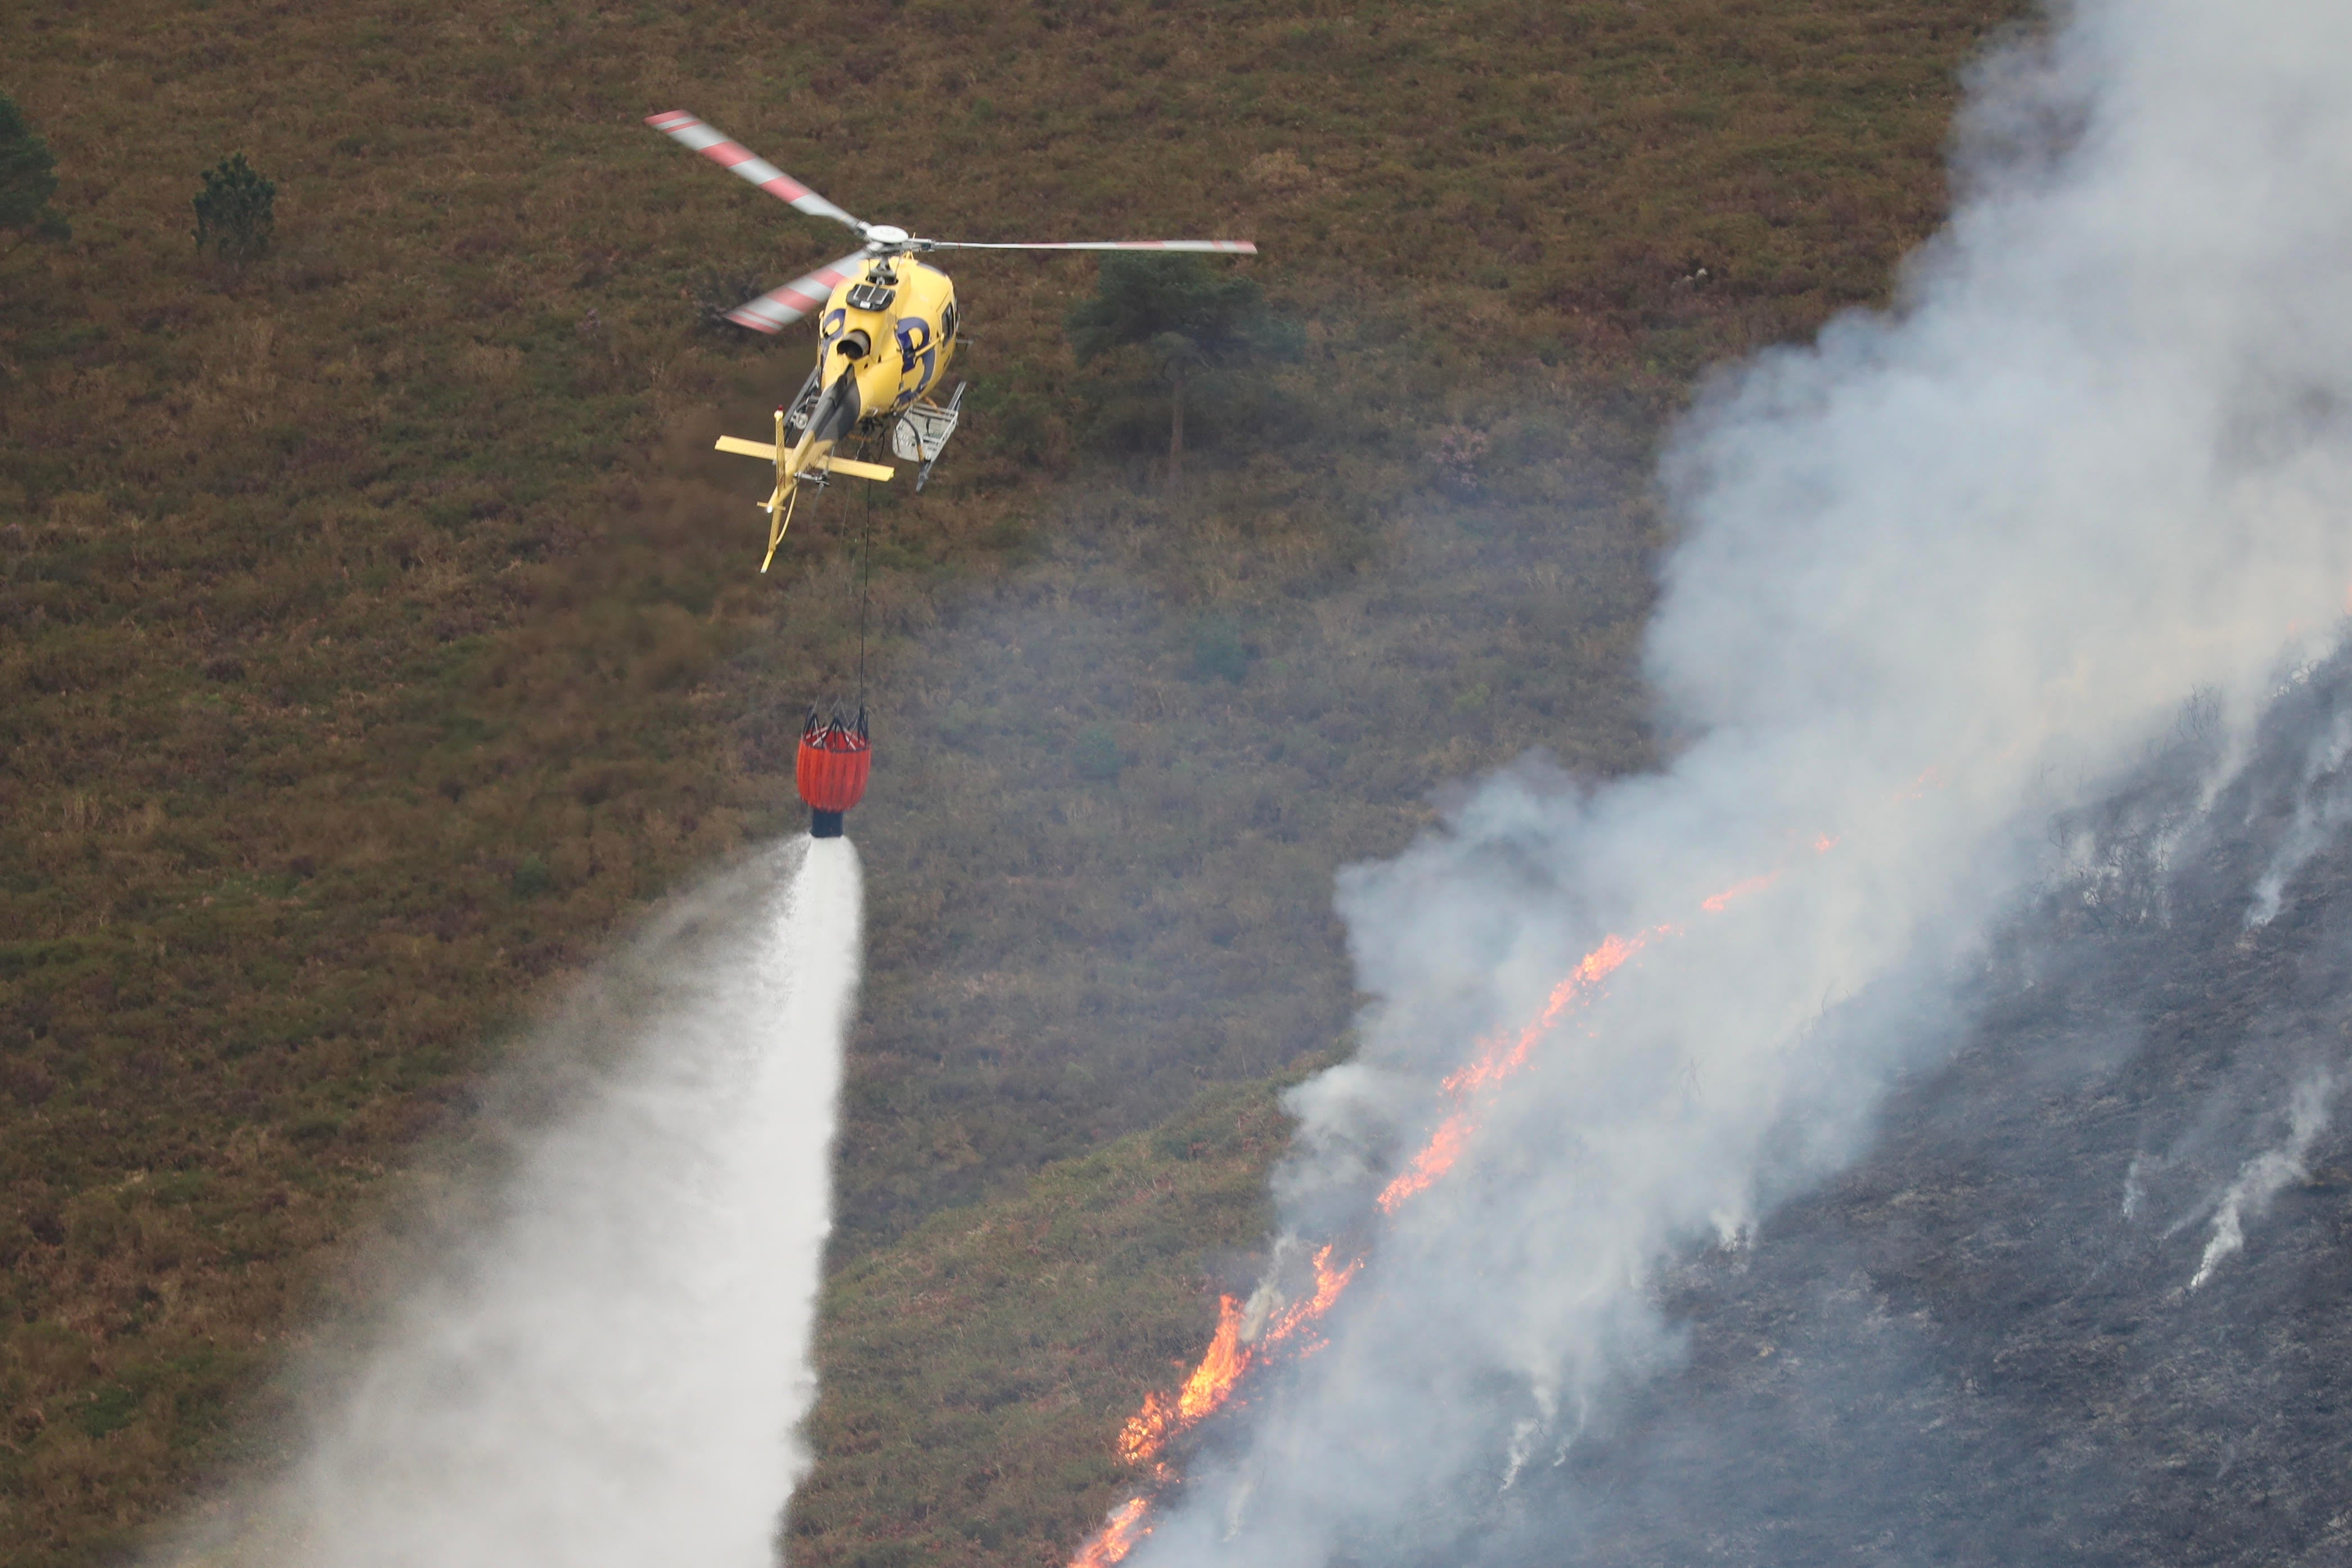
(1970, 1348)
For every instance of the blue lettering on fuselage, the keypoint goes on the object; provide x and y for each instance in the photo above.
(915, 340)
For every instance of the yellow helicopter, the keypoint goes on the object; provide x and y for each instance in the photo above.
(887, 332)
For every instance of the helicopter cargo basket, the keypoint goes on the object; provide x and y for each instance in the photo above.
(922, 432)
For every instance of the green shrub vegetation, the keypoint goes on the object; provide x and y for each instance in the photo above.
(976, 1369)
(236, 212)
(1185, 319)
(378, 635)
(27, 177)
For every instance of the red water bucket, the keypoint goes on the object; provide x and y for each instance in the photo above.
(835, 760)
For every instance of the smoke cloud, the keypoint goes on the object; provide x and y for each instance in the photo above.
(607, 1369)
(1942, 572)
(2264, 1176)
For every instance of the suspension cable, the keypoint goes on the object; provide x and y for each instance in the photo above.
(865, 588)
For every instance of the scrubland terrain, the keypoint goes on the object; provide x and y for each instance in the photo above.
(378, 635)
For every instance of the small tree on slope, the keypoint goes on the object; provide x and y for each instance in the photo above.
(27, 177)
(1184, 316)
(236, 211)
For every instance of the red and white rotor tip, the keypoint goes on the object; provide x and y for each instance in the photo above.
(685, 127)
(780, 308)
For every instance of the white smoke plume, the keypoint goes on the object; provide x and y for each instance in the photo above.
(608, 1372)
(1941, 571)
(2320, 812)
(2266, 1175)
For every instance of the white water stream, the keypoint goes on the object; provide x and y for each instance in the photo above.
(608, 1372)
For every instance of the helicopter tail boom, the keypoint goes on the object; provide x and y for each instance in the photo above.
(819, 467)
(779, 502)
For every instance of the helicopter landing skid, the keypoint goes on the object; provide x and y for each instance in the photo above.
(796, 420)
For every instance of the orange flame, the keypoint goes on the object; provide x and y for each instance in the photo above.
(1328, 1283)
(1211, 1384)
(1146, 1431)
(1716, 905)
(1499, 1061)
(1436, 1157)
(1117, 1537)
(1227, 1359)
(1499, 1064)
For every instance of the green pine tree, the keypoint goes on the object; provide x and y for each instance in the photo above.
(235, 211)
(1186, 317)
(28, 176)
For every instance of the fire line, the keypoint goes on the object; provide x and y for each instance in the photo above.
(1227, 1361)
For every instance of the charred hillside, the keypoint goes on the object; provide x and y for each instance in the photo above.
(2018, 1331)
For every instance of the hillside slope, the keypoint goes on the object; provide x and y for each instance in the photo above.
(379, 632)
(2083, 1300)
(977, 1371)
(2080, 1299)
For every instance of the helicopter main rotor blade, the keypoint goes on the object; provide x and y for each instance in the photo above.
(780, 308)
(683, 127)
(1214, 246)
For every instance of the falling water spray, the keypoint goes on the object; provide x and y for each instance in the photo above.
(607, 1370)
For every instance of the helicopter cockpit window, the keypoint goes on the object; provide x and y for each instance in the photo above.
(854, 344)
